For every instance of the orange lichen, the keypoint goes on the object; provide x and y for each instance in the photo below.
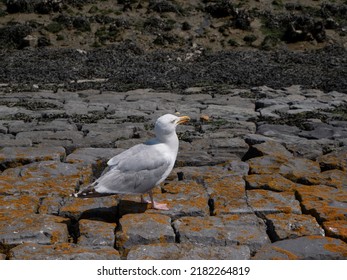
(288, 255)
(336, 249)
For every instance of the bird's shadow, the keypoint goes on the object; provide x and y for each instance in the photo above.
(114, 213)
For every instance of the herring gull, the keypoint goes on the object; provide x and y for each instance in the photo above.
(139, 169)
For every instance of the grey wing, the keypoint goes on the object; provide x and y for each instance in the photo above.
(137, 172)
(129, 153)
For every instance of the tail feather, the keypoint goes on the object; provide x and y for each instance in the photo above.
(89, 192)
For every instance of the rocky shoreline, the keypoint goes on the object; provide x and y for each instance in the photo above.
(128, 66)
(261, 174)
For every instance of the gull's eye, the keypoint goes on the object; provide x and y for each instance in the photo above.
(173, 121)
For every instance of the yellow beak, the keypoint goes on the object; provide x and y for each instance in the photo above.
(183, 119)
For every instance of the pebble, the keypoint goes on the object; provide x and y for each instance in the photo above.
(259, 175)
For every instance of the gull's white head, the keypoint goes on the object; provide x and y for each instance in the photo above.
(166, 124)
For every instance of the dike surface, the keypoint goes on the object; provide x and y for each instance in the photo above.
(261, 174)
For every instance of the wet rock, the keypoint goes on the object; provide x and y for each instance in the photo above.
(63, 251)
(304, 248)
(14, 156)
(100, 208)
(266, 202)
(96, 233)
(144, 229)
(285, 226)
(185, 251)
(222, 231)
(18, 227)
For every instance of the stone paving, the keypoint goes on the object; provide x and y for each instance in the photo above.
(261, 174)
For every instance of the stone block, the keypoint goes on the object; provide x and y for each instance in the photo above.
(336, 229)
(142, 229)
(96, 233)
(228, 196)
(26, 203)
(15, 156)
(100, 208)
(63, 251)
(285, 226)
(225, 230)
(44, 178)
(273, 182)
(334, 160)
(267, 202)
(183, 198)
(322, 202)
(186, 251)
(304, 248)
(17, 227)
(301, 170)
(265, 165)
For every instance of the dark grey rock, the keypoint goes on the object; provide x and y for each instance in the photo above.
(325, 131)
(14, 156)
(185, 251)
(51, 205)
(94, 156)
(222, 231)
(266, 202)
(18, 227)
(55, 125)
(44, 137)
(289, 226)
(275, 130)
(19, 202)
(305, 248)
(96, 233)
(100, 208)
(63, 251)
(144, 229)
(228, 196)
(301, 170)
(183, 198)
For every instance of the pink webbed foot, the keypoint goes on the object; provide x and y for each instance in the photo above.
(155, 205)
(160, 206)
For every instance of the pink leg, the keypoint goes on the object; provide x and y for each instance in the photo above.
(155, 205)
